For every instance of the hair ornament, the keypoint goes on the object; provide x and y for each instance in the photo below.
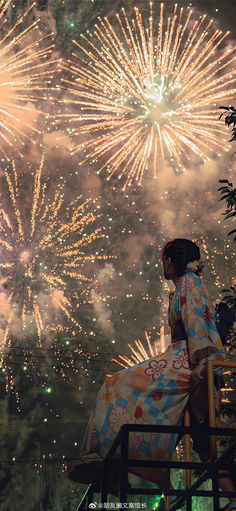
(196, 265)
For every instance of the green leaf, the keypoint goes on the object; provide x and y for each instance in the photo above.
(225, 188)
(231, 214)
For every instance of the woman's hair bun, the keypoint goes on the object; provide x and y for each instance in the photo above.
(185, 255)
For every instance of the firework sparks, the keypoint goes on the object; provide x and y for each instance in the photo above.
(43, 255)
(149, 92)
(140, 353)
(25, 75)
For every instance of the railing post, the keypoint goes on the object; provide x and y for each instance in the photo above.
(215, 489)
(212, 424)
(90, 495)
(187, 444)
(167, 503)
(124, 465)
(104, 488)
(211, 404)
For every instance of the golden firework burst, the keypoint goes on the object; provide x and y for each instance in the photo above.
(45, 244)
(147, 90)
(25, 76)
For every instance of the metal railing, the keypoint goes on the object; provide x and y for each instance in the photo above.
(126, 463)
(211, 397)
(209, 469)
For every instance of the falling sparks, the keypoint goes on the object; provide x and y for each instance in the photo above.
(25, 76)
(140, 353)
(44, 247)
(149, 92)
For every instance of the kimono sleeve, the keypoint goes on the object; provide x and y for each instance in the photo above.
(203, 339)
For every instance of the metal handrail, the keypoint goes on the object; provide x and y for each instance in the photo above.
(210, 469)
(122, 441)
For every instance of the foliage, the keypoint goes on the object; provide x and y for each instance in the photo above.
(230, 119)
(228, 194)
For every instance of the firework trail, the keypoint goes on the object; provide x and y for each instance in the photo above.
(140, 353)
(43, 253)
(148, 92)
(25, 76)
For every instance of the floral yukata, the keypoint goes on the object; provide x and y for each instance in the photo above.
(157, 391)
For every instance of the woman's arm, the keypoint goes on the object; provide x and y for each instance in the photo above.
(204, 342)
(203, 339)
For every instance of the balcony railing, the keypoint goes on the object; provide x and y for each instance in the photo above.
(209, 469)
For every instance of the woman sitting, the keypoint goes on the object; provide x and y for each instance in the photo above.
(158, 390)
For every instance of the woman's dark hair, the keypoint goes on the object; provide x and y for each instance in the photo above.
(181, 252)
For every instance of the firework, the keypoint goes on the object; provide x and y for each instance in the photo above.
(148, 92)
(25, 75)
(44, 247)
(140, 353)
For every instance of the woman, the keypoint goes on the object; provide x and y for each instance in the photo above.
(157, 391)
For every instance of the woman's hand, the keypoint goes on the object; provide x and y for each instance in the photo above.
(199, 373)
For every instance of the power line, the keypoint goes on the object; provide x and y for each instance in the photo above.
(46, 423)
(38, 460)
(72, 350)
